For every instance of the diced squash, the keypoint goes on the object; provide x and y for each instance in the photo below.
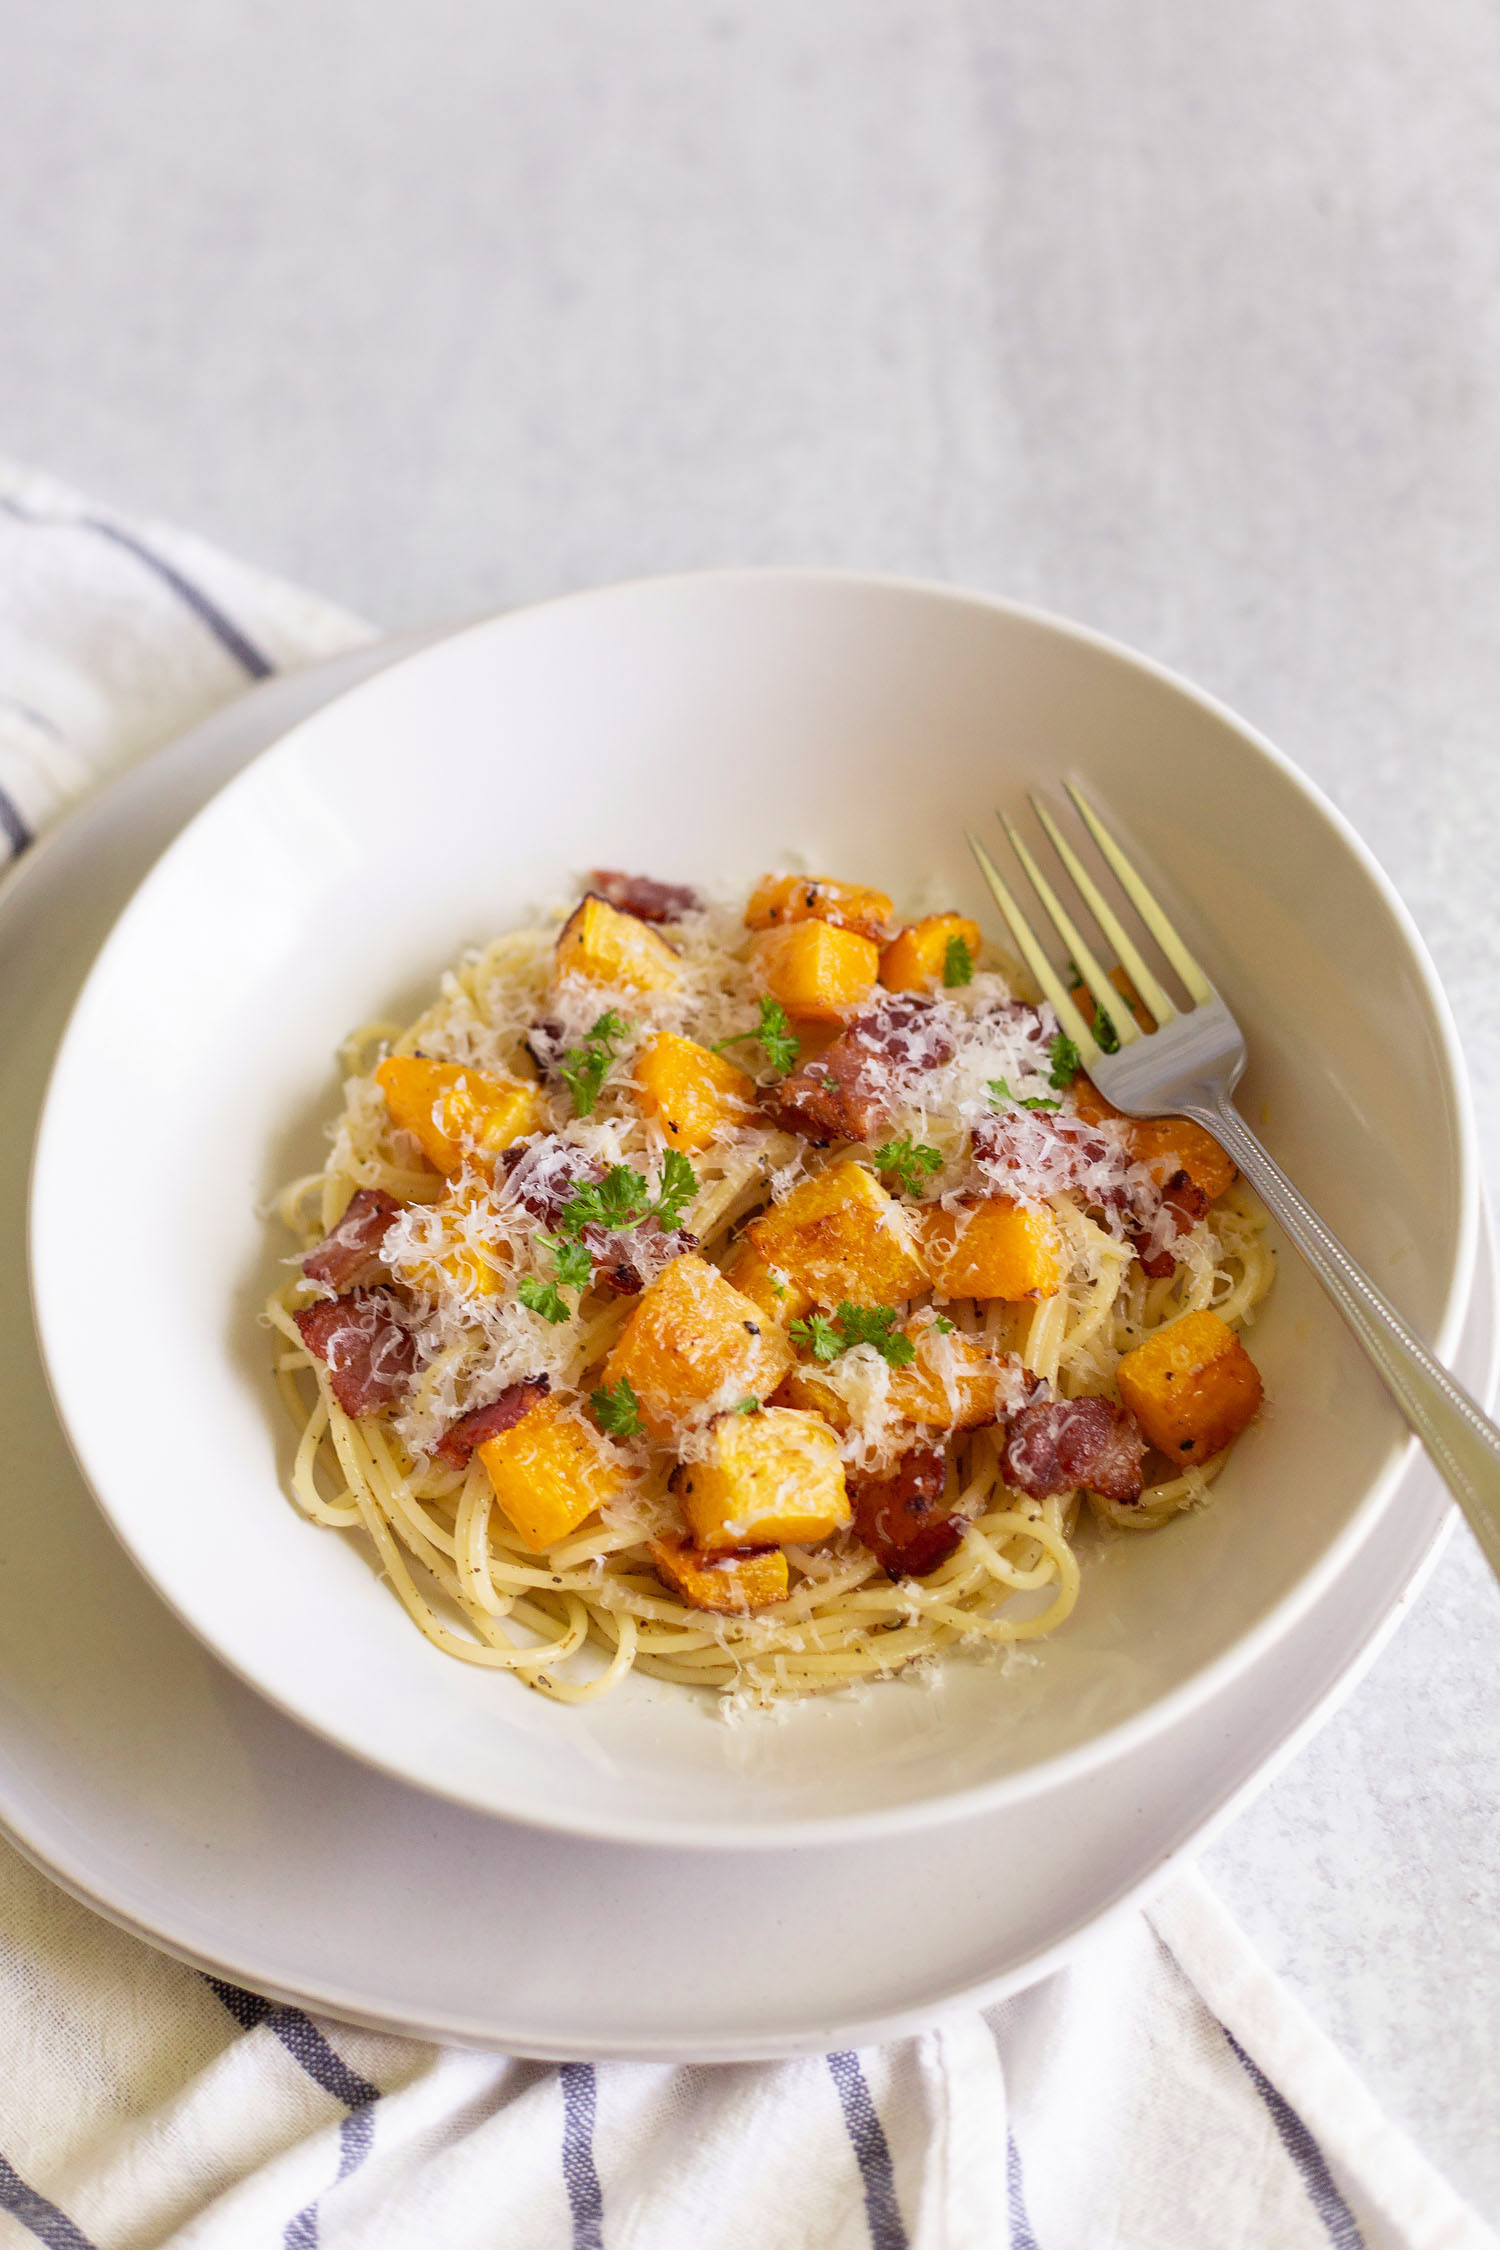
(696, 1094)
(779, 1297)
(1165, 1145)
(839, 1235)
(454, 1111)
(693, 1345)
(1192, 1387)
(599, 942)
(472, 1266)
(550, 1472)
(815, 970)
(993, 1249)
(778, 899)
(953, 1383)
(1083, 999)
(773, 1478)
(726, 1583)
(917, 960)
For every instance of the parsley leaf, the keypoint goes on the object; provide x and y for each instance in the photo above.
(828, 1339)
(746, 1406)
(622, 1199)
(1105, 1033)
(542, 1297)
(575, 1267)
(958, 962)
(1065, 1059)
(778, 1042)
(1001, 1095)
(943, 1325)
(679, 1184)
(908, 1161)
(617, 1408)
(820, 1336)
(583, 1069)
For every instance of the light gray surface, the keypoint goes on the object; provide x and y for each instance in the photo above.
(1182, 320)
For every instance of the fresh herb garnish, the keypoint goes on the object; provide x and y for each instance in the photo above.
(958, 962)
(828, 1339)
(943, 1325)
(1105, 1033)
(1002, 1097)
(573, 1264)
(1065, 1059)
(746, 1406)
(617, 1408)
(820, 1336)
(583, 1069)
(778, 1042)
(623, 1199)
(908, 1161)
(543, 1297)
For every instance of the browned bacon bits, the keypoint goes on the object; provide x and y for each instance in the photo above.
(364, 1345)
(843, 1094)
(512, 1406)
(1183, 1204)
(643, 896)
(901, 1518)
(1057, 1445)
(350, 1252)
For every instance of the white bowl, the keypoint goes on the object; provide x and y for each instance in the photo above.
(699, 728)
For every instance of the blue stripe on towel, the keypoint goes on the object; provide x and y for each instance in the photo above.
(302, 2040)
(36, 2214)
(871, 2152)
(356, 2137)
(1021, 2236)
(1338, 2219)
(580, 2095)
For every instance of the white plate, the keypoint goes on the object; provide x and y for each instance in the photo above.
(149, 1782)
(711, 719)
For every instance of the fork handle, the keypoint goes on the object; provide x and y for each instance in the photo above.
(1461, 1439)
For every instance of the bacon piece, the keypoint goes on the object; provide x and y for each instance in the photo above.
(365, 1346)
(349, 1253)
(1183, 1204)
(515, 1401)
(643, 896)
(546, 1042)
(1056, 1445)
(901, 1518)
(843, 1093)
(545, 1175)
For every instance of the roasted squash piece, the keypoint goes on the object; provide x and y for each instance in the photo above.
(917, 960)
(1192, 1387)
(778, 899)
(696, 1094)
(991, 1249)
(773, 1478)
(599, 942)
(814, 969)
(693, 1346)
(550, 1472)
(839, 1235)
(1165, 1145)
(454, 1111)
(727, 1583)
(953, 1383)
(779, 1297)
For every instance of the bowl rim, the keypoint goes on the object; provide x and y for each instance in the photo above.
(1115, 1740)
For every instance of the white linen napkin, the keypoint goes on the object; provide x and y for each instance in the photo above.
(1163, 2092)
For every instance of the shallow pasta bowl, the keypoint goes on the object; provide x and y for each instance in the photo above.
(703, 728)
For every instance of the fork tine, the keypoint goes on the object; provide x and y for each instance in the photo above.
(1107, 1000)
(1139, 971)
(1143, 901)
(1036, 960)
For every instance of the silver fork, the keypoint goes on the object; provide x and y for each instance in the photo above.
(1189, 1067)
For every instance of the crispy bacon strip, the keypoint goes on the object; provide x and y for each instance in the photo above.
(901, 1518)
(1183, 1204)
(1057, 1445)
(514, 1403)
(364, 1344)
(843, 1093)
(350, 1253)
(643, 896)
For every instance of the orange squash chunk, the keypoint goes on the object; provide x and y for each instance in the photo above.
(778, 899)
(917, 959)
(454, 1111)
(778, 1296)
(693, 1345)
(993, 1249)
(772, 1479)
(473, 1267)
(840, 1235)
(1192, 1387)
(599, 942)
(694, 1093)
(1166, 1145)
(726, 1583)
(814, 969)
(952, 1384)
(550, 1472)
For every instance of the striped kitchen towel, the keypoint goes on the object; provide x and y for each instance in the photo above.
(1163, 2092)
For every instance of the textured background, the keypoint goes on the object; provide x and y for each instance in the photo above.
(1181, 319)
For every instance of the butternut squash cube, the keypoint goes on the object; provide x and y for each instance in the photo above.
(726, 1583)
(778, 899)
(993, 1249)
(840, 1235)
(778, 1296)
(550, 1472)
(1165, 1145)
(696, 1094)
(814, 969)
(1192, 1387)
(454, 1111)
(599, 942)
(953, 1383)
(773, 1478)
(917, 960)
(693, 1346)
